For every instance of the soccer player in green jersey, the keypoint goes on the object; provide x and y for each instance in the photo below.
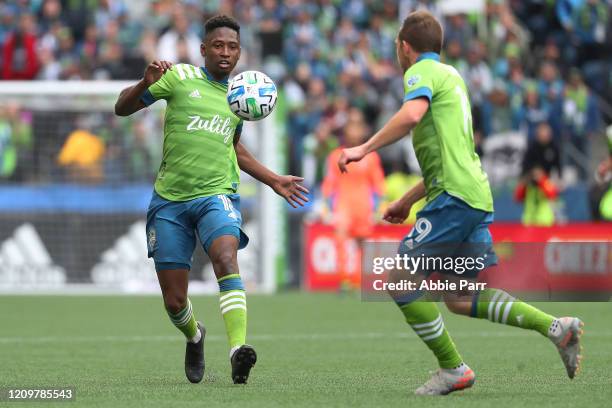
(459, 206)
(196, 189)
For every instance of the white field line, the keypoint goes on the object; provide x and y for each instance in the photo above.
(271, 337)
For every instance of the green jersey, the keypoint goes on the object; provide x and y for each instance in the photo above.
(199, 128)
(443, 140)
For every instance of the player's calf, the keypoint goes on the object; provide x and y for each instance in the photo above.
(499, 307)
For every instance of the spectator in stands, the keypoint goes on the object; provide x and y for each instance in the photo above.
(270, 18)
(50, 68)
(504, 29)
(317, 147)
(479, 80)
(77, 14)
(301, 39)
(532, 113)
(147, 46)
(318, 101)
(82, 156)
(8, 17)
(497, 115)
(50, 15)
(508, 60)
(90, 46)
(580, 115)
(565, 12)
(346, 34)
(550, 86)
(589, 20)
(380, 38)
(67, 54)
(8, 154)
(16, 142)
(19, 59)
(535, 189)
(453, 55)
(179, 44)
(516, 94)
(112, 62)
(141, 159)
(458, 29)
(107, 12)
(601, 193)
(550, 90)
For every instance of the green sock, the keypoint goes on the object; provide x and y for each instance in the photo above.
(184, 321)
(232, 301)
(426, 320)
(498, 306)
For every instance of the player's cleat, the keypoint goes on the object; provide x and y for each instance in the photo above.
(446, 381)
(194, 358)
(565, 333)
(243, 360)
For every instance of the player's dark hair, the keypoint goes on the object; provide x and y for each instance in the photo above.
(219, 21)
(422, 31)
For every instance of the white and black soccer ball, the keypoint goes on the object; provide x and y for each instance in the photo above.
(251, 95)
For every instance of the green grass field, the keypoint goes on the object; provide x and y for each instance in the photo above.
(314, 350)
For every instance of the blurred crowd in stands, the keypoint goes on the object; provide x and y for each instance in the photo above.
(526, 63)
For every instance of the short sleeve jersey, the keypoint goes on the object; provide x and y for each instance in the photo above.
(443, 140)
(199, 128)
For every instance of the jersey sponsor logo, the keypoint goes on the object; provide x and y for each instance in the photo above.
(217, 124)
(195, 94)
(413, 80)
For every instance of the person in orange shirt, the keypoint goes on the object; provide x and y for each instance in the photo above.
(354, 198)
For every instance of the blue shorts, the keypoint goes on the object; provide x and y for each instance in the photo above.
(448, 227)
(172, 227)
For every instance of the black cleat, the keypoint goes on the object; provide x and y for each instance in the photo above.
(242, 361)
(194, 358)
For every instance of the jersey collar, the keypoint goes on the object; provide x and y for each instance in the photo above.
(429, 55)
(210, 77)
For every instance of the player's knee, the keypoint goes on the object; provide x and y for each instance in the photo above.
(457, 305)
(224, 263)
(175, 302)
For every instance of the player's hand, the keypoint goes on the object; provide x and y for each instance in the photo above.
(397, 212)
(290, 189)
(353, 154)
(155, 70)
(604, 168)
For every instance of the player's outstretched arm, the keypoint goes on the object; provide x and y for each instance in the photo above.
(398, 211)
(288, 187)
(399, 125)
(129, 99)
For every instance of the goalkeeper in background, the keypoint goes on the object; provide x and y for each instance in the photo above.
(354, 199)
(459, 205)
(196, 188)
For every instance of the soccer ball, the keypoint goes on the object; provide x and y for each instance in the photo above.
(251, 95)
